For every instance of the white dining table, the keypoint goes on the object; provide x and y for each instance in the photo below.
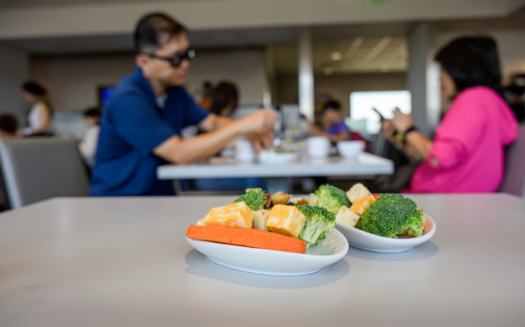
(279, 176)
(126, 262)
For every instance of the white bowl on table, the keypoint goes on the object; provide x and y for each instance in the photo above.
(350, 149)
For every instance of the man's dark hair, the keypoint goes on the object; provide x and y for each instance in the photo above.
(331, 105)
(224, 94)
(154, 30)
(8, 123)
(34, 88)
(472, 61)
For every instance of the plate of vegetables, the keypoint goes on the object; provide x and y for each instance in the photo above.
(269, 235)
(379, 223)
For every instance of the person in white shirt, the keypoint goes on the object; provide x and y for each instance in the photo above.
(39, 117)
(88, 145)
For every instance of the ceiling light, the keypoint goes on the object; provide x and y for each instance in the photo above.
(337, 55)
(328, 71)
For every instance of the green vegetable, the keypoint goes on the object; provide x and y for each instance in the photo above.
(319, 221)
(392, 215)
(255, 199)
(331, 198)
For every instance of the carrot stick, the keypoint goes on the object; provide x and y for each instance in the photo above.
(248, 237)
(377, 196)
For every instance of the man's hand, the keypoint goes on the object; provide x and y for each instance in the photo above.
(261, 141)
(261, 121)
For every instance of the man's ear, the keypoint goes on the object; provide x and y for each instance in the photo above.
(141, 60)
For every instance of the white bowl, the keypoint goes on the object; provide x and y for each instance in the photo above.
(350, 149)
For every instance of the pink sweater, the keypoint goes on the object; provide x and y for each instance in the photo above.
(467, 155)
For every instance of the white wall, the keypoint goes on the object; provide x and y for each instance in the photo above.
(73, 80)
(13, 72)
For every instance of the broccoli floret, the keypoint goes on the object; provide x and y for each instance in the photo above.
(392, 215)
(255, 199)
(331, 198)
(318, 222)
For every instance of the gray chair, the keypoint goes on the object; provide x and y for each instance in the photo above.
(514, 179)
(35, 169)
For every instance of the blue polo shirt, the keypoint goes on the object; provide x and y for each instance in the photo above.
(132, 126)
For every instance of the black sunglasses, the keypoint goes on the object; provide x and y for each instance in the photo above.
(175, 62)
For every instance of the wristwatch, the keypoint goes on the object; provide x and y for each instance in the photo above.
(408, 131)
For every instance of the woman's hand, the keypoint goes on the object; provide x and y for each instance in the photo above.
(402, 121)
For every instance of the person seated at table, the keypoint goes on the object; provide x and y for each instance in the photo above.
(8, 125)
(40, 114)
(141, 125)
(334, 125)
(224, 100)
(466, 155)
(88, 144)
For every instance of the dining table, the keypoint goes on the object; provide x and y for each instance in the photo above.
(125, 261)
(278, 175)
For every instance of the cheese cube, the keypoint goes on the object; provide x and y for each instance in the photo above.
(361, 205)
(287, 220)
(259, 219)
(357, 191)
(232, 215)
(347, 217)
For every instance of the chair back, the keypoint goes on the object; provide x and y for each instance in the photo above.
(35, 169)
(514, 178)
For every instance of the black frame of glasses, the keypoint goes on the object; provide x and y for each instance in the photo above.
(175, 62)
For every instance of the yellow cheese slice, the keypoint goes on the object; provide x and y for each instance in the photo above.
(233, 215)
(287, 220)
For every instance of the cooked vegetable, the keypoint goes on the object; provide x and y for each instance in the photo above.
(330, 198)
(248, 237)
(255, 198)
(319, 221)
(280, 198)
(391, 215)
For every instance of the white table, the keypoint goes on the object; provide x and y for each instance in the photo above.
(125, 262)
(278, 177)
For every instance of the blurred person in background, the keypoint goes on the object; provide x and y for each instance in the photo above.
(8, 125)
(88, 144)
(40, 113)
(334, 126)
(142, 123)
(207, 89)
(467, 153)
(224, 102)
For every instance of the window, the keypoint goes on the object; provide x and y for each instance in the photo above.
(361, 104)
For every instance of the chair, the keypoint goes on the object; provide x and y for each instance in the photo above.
(36, 169)
(514, 179)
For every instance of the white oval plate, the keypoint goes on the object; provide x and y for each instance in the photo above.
(276, 158)
(366, 241)
(268, 262)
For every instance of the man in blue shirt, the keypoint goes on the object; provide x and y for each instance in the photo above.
(142, 123)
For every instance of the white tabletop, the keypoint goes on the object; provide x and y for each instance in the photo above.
(125, 262)
(365, 164)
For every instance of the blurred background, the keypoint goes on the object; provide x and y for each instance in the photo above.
(288, 52)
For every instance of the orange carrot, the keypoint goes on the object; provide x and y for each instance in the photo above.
(253, 238)
(377, 196)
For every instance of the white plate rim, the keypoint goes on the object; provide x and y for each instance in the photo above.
(384, 244)
(303, 264)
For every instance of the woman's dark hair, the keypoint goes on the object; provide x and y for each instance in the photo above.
(8, 123)
(34, 88)
(224, 95)
(94, 112)
(472, 61)
(154, 30)
(331, 105)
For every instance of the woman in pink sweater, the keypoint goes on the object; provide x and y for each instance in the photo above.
(466, 154)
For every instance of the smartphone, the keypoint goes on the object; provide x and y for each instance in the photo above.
(381, 117)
